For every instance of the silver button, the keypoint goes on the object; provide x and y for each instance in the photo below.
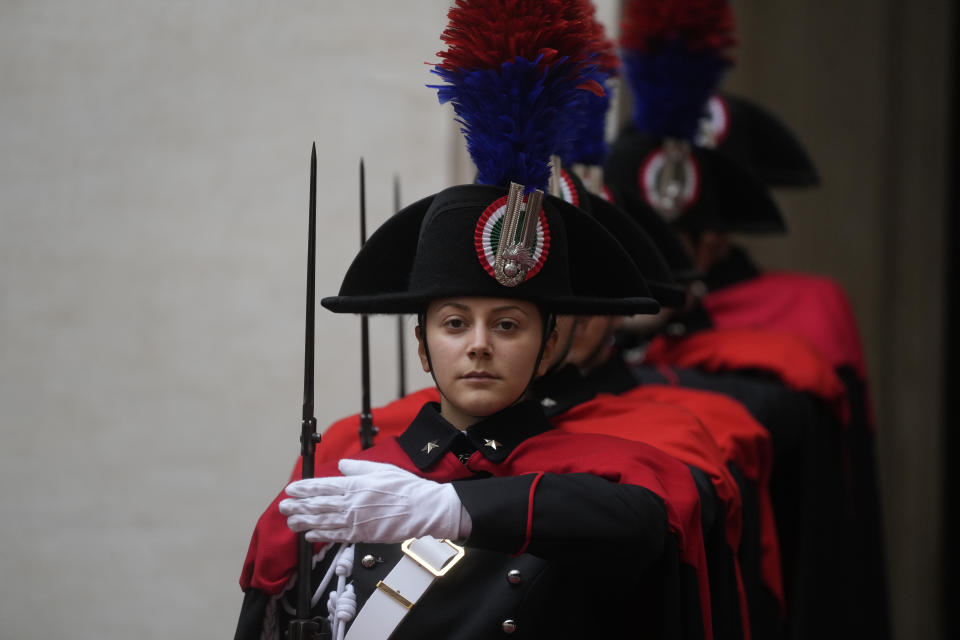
(509, 626)
(514, 576)
(368, 561)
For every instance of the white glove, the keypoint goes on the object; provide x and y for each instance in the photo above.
(374, 502)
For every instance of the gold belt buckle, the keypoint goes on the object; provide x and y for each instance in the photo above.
(405, 546)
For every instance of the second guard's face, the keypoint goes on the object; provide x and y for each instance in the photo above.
(482, 351)
(591, 341)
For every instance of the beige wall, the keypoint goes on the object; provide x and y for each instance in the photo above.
(153, 201)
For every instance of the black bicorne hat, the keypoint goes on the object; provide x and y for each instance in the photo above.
(693, 188)
(758, 139)
(446, 246)
(631, 236)
(663, 235)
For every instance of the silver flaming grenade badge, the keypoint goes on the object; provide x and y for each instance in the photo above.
(515, 250)
(670, 179)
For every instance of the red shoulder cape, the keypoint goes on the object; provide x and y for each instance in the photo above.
(669, 428)
(743, 441)
(342, 439)
(816, 308)
(790, 359)
(676, 431)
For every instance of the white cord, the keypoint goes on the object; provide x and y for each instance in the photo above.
(326, 580)
(292, 581)
(342, 604)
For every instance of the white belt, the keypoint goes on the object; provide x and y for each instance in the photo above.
(423, 561)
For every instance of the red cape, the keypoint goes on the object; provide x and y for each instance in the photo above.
(675, 430)
(665, 426)
(790, 359)
(812, 307)
(668, 427)
(743, 441)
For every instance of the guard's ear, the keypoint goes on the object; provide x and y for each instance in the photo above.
(422, 349)
(548, 350)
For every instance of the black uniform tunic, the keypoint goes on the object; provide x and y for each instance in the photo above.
(806, 488)
(867, 598)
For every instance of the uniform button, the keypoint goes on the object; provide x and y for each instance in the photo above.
(509, 626)
(514, 576)
(368, 561)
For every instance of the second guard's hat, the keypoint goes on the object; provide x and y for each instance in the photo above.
(642, 248)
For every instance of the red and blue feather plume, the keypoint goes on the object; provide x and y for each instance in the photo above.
(517, 74)
(590, 146)
(674, 54)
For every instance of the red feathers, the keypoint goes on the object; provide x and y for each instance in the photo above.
(608, 60)
(483, 34)
(700, 24)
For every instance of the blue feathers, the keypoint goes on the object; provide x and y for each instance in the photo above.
(590, 146)
(671, 88)
(515, 117)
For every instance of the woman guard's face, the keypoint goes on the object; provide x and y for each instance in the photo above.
(482, 351)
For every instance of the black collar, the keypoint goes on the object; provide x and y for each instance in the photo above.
(733, 268)
(429, 437)
(613, 376)
(561, 390)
